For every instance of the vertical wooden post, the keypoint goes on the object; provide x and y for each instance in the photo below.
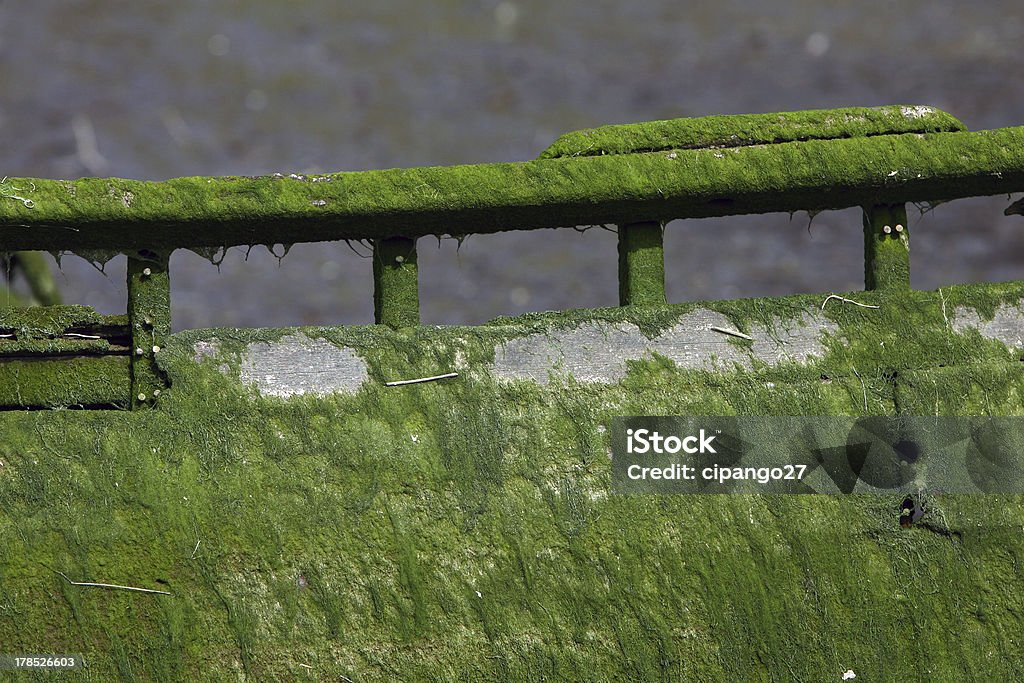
(641, 264)
(396, 294)
(886, 247)
(149, 318)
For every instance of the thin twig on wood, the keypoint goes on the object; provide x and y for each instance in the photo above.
(845, 300)
(862, 388)
(733, 333)
(111, 585)
(421, 379)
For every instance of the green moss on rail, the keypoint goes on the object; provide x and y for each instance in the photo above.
(64, 381)
(751, 129)
(811, 175)
(48, 321)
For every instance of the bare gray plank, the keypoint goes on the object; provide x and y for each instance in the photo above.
(598, 351)
(1007, 325)
(297, 364)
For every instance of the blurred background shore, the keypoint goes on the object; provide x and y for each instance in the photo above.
(159, 90)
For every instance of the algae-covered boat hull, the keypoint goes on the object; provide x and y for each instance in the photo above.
(306, 519)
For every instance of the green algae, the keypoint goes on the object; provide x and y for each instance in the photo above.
(641, 264)
(751, 129)
(396, 298)
(809, 175)
(81, 381)
(60, 356)
(886, 247)
(464, 529)
(149, 320)
(48, 321)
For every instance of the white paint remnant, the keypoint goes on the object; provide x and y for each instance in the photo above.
(849, 675)
(1006, 325)
(296, 364)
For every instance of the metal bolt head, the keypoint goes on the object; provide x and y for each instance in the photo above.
(147, 272)
(156, 349)
(142, 397)
(156, 392)
(887, 229)
(139, 351)
(899, 228)
(399, 259)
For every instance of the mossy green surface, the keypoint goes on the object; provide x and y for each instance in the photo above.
(149, 320)
(115, 214)
(752, 129)
(396, 294)
(464, 530)
(60, 356)
(72, 381)
(886, 247)
(47, 321)
(641, 264)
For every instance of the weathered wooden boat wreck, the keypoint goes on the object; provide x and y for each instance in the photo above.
(295, 507)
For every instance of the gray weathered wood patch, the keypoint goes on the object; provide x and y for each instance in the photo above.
(296, 364)
(598, 351)
(1007, 325)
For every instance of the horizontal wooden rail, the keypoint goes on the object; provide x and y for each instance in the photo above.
(116, 214)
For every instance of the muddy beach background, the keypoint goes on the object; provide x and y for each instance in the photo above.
(157, 90)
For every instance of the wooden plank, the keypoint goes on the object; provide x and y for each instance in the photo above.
(61, 381)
